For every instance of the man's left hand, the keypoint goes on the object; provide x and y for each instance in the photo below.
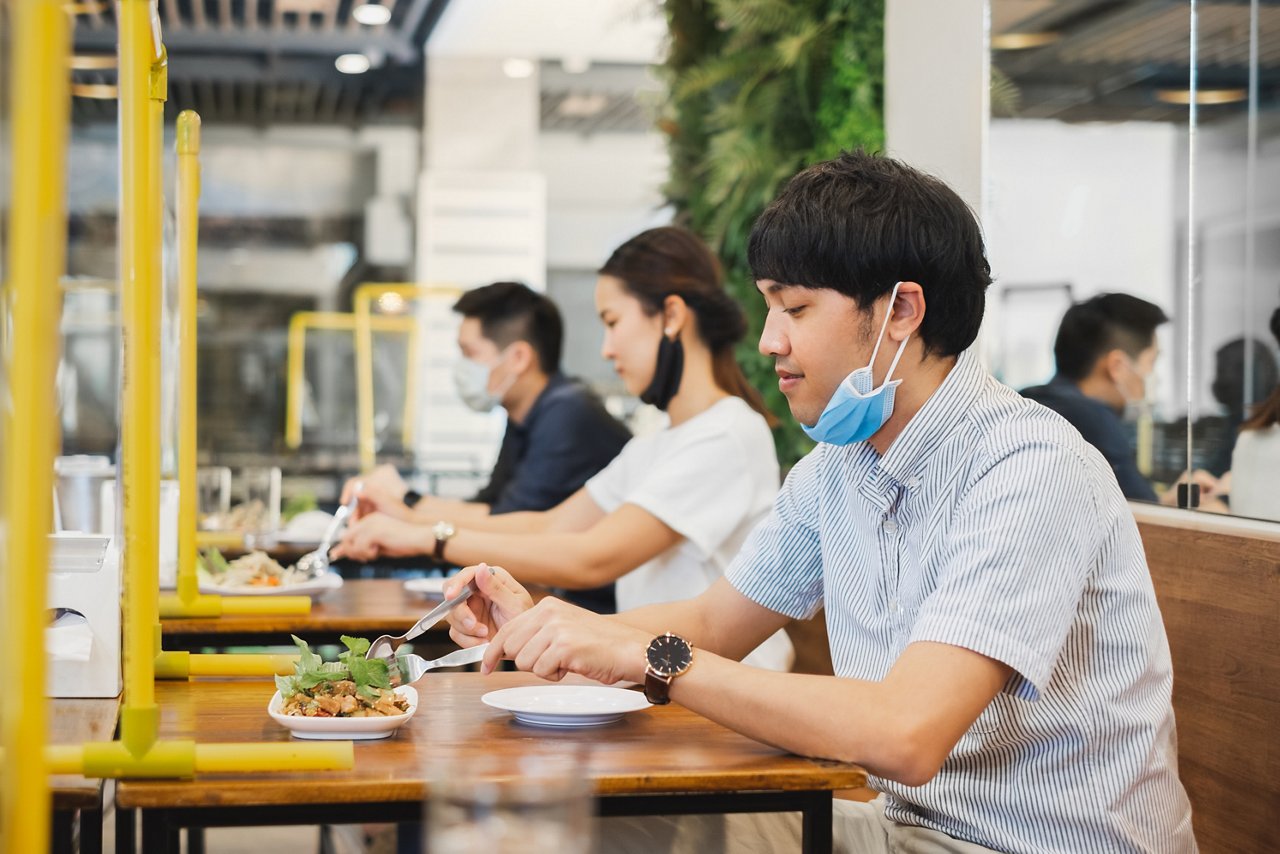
(554, 639)
(379, 535)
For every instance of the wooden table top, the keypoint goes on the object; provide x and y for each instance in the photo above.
(663, 749)
(77, 722)
(360, 607)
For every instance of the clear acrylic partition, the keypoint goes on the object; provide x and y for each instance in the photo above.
(1132, 151)
(1234, 238)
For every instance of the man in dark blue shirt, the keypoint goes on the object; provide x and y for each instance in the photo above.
(1105, 350)
(558, 432)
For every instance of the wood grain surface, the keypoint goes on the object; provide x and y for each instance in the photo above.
(1220, 597)
(659, 750)
(77, 722)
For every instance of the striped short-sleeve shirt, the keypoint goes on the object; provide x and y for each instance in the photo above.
(990, 524)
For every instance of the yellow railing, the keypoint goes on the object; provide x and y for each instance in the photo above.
(138, 753)
(40, 98)
(187, 601)
(336, 321)
(364, 296)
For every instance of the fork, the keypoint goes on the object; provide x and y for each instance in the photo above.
(413, 666)
(385, 647)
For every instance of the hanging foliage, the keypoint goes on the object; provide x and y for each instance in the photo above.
(759, 89)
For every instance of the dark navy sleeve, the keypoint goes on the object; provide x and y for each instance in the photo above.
(571, 440)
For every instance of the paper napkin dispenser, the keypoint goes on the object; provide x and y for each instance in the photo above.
(82, 637)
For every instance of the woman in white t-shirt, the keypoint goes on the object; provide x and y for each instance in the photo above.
(664, 519)
(1255, 462)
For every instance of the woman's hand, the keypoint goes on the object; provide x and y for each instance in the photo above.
(381, 491)
(498, 599)
(554, 639)
(380, 535)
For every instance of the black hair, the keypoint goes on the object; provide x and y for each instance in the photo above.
(671, 260)
(510, 311)
(860, 223)
(1275, 325)
(1106, 322)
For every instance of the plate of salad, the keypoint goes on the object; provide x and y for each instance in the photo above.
(348, 699)
(258, 574)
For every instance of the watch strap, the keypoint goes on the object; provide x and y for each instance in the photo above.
(657, 689)
(439, 552)
(411, 498)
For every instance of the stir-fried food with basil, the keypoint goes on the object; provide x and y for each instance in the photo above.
(350, 687)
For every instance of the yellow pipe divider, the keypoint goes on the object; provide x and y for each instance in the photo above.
(143, 88)
(184, 759)
(188, 601)
(40, 98)
(362, 304)
(141, 74)
(336, 321)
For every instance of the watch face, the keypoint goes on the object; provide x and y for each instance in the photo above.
(669, 655)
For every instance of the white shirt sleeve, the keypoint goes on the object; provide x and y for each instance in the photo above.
(696, 483)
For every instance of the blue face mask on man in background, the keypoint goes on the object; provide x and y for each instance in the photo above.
(856, 410)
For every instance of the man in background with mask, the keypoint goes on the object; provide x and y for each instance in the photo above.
(1001, 666)
(558, 433)
(1105, 351)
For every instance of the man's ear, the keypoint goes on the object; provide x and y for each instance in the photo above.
(908, 311)
(1113, 364)
(523, 356)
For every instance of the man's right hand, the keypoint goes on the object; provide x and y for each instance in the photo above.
(382, 492)
(498, 599)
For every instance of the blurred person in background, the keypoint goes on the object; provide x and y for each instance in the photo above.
(667, 516)
(1255, 463)
(1105, 351)
(558, 433)
(1228, 389)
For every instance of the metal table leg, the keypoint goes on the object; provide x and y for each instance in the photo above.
(159, 835)
(816, 824)
(62, 832)
(91, 829)
(126, 831)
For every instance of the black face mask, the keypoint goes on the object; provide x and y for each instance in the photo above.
(666, 374)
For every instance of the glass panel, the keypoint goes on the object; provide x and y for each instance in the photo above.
(1236, 221)
(1087, 194)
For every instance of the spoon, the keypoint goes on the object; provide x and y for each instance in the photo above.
(386, 646)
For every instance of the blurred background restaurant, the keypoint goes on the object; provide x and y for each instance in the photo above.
(458, 143)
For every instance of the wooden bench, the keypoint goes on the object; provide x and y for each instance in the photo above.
(1218, 583)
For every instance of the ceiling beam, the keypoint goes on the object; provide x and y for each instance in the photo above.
(298, 42)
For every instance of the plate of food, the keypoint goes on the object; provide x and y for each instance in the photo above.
(566, 705)
(348, 699)
(259, 574)
(428, 588)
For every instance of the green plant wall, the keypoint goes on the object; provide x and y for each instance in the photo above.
(759, 89)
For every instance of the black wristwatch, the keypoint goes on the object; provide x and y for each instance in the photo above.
(411, 498)
(668, 656)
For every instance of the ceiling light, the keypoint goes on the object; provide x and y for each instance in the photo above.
(371, 14)
(575, 64)
(583, 106)
(1022, 41)
(517, 68)
(390, 302)
(1203, 96)
(352, 63)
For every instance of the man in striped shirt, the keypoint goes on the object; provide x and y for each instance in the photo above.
(1001, 665)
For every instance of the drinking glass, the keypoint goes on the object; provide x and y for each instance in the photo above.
(501, 803)
(260, 517)
(213, 488)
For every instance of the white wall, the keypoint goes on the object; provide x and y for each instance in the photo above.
(937, 70)
(601, 190)
(1088, 205)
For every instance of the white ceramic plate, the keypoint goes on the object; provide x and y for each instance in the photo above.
(315, 588)
(343, 729)
(431, 588)
(566, 705)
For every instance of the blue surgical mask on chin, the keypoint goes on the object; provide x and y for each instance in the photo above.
(856, 410)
